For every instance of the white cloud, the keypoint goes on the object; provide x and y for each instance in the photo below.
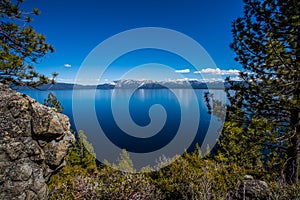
(67, 65)
(236, 78)
(218, 71)
(65, 80)
(207, 80)
(183, 71)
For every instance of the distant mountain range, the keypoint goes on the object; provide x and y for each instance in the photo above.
(141, 84)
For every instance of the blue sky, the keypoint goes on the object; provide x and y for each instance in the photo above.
(76, 27)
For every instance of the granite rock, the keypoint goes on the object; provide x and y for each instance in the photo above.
(34, 140)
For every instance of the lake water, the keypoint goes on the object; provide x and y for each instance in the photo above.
(140, 121)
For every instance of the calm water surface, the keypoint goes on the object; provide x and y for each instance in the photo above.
(139, 105)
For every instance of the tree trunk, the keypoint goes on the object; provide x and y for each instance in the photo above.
(292, 167)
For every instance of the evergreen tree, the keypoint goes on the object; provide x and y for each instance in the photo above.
(20, 46)
(125, 163)
(52, 102)
(82, 154)
(88, 155)
(266, 42)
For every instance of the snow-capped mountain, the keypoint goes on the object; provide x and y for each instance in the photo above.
(177, 83)
(134, 84)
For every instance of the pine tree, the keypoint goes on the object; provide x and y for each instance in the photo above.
(20, 46)
(266, 42)
(125, 163)
(86, 150)
(82, 154)
(52, 102)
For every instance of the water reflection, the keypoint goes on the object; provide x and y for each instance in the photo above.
(174, 102)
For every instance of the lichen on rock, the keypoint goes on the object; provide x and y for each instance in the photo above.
(34, 140)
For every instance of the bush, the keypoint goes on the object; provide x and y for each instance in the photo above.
(75, 181)
(193, 177)
(187, 177)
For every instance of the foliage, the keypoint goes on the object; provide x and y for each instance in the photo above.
(125, 185)
(192, 177)
(82, 154)
(52, 102)
(266, 104)
(76, 182)
(124, 164)
(189, 176)
(279, 191)
(73, 183)
(79, 161)
(248, 146)
(20, 46)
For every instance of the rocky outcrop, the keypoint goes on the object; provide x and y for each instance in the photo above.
(250, 189)
(34, 140)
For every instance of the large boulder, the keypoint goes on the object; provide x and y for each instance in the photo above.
(34, 140)
(250, 189)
